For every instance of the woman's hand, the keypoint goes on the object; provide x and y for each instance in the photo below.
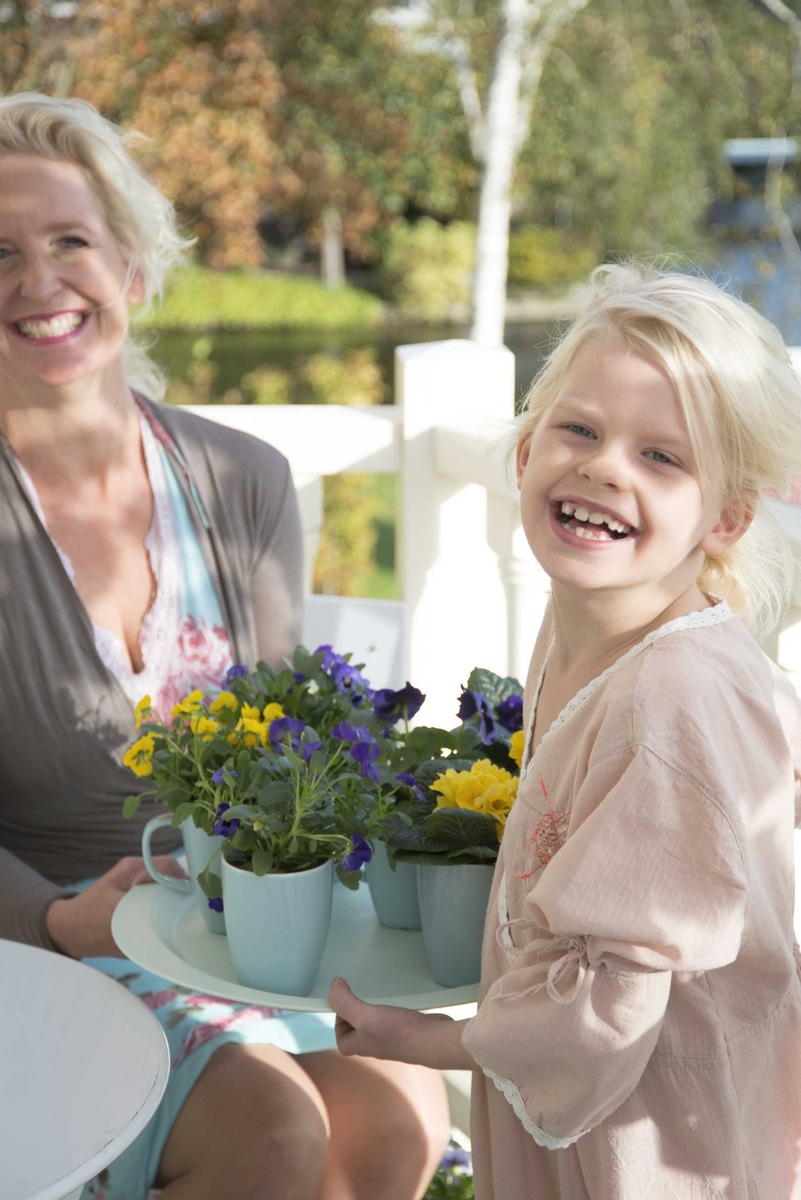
(80, 925)
(403, 1034)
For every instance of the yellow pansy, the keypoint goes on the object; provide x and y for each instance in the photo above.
(139, 756)
(189, 704)
(250, 713)
(252, 732)
(205, 727)
(272, 712)
(224, 700)
(517, 744)
(142, 711)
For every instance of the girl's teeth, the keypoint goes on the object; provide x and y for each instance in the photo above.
(569, 509)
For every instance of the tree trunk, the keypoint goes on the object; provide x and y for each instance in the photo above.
(332, 261)
(495, 202)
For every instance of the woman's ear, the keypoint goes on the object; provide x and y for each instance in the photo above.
(730, 526)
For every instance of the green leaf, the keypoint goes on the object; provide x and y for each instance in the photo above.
(262, 861)
(210, 884)
(351, 879)
(495, 687)
(460, 827)
(131, 806)
(183, 812)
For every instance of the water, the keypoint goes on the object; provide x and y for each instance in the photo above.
(234, 354)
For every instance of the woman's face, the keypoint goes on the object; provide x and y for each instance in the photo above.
(63, 295)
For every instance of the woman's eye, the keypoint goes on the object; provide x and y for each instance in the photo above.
(71, 241)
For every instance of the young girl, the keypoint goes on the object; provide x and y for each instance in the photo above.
(638, 1034)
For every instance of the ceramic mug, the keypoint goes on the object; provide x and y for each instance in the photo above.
(200, 849)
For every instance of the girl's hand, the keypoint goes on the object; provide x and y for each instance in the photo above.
(403, 1034)
(80, 925)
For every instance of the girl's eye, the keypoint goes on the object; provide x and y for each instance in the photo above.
(659, 456)
(580, 430)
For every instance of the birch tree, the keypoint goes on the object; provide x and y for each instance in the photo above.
(498, 124)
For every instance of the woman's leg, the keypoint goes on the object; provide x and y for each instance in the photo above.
(389, 1126)
(261, 1124)
(254, 1127)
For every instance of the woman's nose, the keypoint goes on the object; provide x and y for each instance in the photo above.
(38, 277)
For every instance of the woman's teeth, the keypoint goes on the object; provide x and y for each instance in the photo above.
(58, 326)
(592, 517)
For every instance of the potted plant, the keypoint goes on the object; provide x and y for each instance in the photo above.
(278, 768)
(453, 825)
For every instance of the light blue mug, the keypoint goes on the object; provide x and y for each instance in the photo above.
(201, 849)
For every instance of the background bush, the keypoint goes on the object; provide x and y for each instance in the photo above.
(426, 267)
(542, 257)
(206, 300)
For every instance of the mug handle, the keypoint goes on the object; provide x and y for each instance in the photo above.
(177, 885)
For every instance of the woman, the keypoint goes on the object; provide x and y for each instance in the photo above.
(146, 550)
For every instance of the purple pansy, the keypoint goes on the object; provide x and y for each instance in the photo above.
(237, 671)
(359, 854)
(410, 781)
(457, 1159)
(510, 713)
(218, 777)
(215, 903)
(222, 827)
(350, 681)
(330, 657)
(283, 728)
(364, 749)
(307, 749)
(476, 703)
(391, 705)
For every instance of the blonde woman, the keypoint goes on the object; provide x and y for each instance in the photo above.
(146, 550)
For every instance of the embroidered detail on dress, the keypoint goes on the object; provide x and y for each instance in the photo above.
(511, 1094)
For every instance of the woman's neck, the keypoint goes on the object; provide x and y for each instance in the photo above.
(593, 630)
(77, 432)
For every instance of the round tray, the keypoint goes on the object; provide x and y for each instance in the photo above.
(163, 931)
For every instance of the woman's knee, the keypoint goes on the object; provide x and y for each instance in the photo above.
(256, 1099)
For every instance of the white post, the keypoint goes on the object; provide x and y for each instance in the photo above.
(452, 584)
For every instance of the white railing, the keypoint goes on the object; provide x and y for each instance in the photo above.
(472, 592)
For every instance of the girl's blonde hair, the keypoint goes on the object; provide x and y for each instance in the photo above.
(141, 219)
(740, 396)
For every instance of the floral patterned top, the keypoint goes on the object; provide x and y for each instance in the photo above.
(183, 639)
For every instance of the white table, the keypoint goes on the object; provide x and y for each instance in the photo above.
(83, 1067)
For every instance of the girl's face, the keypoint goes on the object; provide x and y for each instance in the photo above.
(63, 302)
(609, 486)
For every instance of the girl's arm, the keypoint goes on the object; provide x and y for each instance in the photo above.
(383, 1031)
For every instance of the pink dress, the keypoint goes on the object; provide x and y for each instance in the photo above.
(639, 1025)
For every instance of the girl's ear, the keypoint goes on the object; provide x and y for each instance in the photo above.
(521, 456)
(732, 523)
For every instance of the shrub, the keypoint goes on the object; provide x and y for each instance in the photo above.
(203, 299)
(426, 267)
(541, 257)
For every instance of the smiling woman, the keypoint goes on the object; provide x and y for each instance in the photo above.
(146, 551)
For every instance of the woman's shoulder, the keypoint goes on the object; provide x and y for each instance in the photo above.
(220, 443)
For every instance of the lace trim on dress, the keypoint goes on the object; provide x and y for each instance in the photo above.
(695, 620)
(511, 1093)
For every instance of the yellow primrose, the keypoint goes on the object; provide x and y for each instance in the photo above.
(272, 712)
(205, 727)
(188, 705)
(517, 745)
(139, 756)
(224, 700)
(142, 711)
(485, 788)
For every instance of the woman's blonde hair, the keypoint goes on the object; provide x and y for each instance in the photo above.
(141, 219)
(740, 396)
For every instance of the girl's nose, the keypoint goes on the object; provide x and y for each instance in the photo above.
(606, 465)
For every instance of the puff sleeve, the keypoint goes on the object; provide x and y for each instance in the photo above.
(650, 883)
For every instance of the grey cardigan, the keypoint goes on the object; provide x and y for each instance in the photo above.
(65, 722)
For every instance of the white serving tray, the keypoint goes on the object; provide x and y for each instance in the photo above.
(163, 931)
